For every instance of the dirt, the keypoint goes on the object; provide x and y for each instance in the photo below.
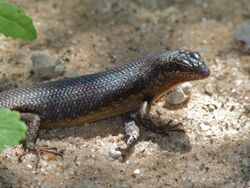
(94, 35)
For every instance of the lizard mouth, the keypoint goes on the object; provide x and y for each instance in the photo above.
(199, 75)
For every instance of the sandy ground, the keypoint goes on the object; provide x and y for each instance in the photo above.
(94, 35)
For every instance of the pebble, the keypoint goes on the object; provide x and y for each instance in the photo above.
(204, 127)
(115, 154)
(137, 172)
(248, 183)
(198, 157)
(45, 66)
(46, 185)
(209, 89)
(73, 140)
(247, 108)
(179, 95)
(29, 166)
(242, 35)
(231, 184)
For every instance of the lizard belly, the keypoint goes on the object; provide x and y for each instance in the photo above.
(122, 106)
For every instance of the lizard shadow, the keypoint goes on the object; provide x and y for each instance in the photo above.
(171, 142)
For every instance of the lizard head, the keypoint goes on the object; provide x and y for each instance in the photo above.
(183, 65)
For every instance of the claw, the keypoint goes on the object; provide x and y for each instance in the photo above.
(39, 151)
(169, 127)
(146, 121)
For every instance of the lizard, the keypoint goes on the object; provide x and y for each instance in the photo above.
(130, 88)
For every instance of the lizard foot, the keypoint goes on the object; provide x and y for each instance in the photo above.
(39, 151)
(145, 119)
(164, 129)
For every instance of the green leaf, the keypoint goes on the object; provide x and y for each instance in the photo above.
(15, 23)
(12, 130)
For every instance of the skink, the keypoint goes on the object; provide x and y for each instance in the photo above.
(89, 98)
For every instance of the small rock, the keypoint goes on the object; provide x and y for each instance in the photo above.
(248, 183)
(246, 68)
(247, 148)
(179, 95)
(137, 172)
(247, 108)
(29, 166)
(209, 89)
(204, 127)
(46, 185)
(45, 66)
(115, 154)
(72, 140)
(198, 157)
(231, 184)
(187, 88)
(242, 36)
(160, 162)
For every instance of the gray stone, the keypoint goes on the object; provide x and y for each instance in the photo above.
(231, 184)
(180, 94)
(115, 154)
(209, 89)
(242, 35)
(45, 66)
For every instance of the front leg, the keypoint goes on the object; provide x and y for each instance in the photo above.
(132, 132)
(142, 117)
(130, 137)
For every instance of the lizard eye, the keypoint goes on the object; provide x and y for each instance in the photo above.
(193, 63)
(190, 59)
(195, 55)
